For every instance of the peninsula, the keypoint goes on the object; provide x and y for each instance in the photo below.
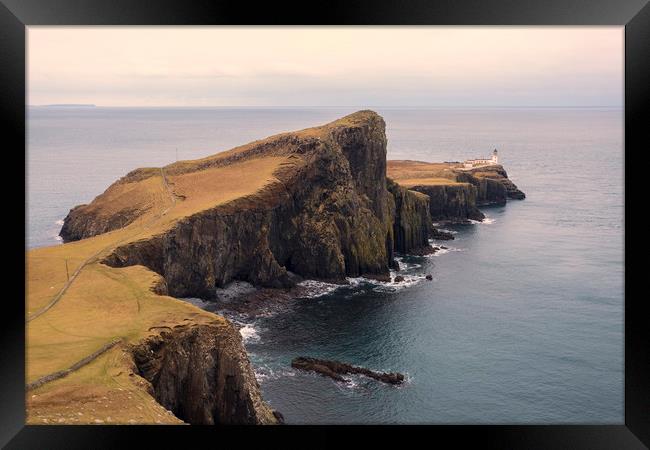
(108, 342)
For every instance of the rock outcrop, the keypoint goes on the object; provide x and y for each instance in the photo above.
(334, 370)
(455, 193)
(328, 215)
(451, 202)
(492, 184)
(412, 224)
(201, 373)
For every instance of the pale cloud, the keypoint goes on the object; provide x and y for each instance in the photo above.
(326, 66)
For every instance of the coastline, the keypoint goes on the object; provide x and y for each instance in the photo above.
(388, 221)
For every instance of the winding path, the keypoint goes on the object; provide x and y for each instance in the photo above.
(88, 359)
(65, 287)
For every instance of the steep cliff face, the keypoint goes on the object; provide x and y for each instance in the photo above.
(328, 214)
(451, 202)
(412, 225)
(201, 373)
(493, 184)
(487, 191)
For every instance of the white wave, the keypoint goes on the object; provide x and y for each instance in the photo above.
(249, 333)
(233, 290)
(59, 222)
(486, 221)
(58, 238)
(404, 266)
(388, 286)
(264, 373)
(448, 231)
(409, 280)
(316, 288)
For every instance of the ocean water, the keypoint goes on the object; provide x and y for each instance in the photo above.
(523, 320)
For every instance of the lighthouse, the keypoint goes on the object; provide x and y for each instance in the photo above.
(495, 157)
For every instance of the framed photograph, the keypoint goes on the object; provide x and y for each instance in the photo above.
(383, 219)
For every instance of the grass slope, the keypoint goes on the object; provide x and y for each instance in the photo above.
(104, 303)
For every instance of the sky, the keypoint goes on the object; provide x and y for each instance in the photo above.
(326, 66)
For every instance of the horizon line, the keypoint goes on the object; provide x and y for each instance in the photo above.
(91, 105)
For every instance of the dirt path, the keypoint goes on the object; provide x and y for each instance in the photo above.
(76, 273)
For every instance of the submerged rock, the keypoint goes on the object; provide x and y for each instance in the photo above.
(398, 279)
(334, 370)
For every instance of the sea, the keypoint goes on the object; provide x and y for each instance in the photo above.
(523, 319)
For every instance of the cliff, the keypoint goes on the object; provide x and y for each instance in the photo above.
(412, 224)
(201, 373)
(455, 193)
(493, 184)
(322, 210)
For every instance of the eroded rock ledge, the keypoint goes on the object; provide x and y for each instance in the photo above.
(201, 373)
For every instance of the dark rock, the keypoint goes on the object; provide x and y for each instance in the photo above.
(278, 415)
(412, 224)
(398, 279)
(202, 374)
(441, 235)
(334, 370)
(383, 277)
(451, 202)
(429, 277)
(493, 185)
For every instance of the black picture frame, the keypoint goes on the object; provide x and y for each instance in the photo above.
(15, 15)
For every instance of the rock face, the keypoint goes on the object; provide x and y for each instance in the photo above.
(334, 370)
(329, 215)
(201, 373)
(452, 202)
(493, 185)
(412, 224)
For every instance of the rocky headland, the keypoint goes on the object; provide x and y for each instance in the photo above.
(455, 193)
(321, 203)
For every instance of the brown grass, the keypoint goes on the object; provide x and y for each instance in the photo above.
(414, 173)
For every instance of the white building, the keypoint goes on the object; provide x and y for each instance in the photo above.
(483, 162)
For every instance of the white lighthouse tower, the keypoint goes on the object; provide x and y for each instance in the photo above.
(495, 157)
